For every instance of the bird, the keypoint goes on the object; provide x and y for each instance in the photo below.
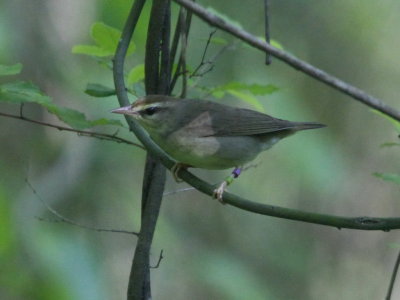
(206, 134)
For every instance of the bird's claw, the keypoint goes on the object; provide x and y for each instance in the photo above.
(176, 168)
(218, 192)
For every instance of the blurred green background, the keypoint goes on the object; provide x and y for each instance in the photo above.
(211, 251)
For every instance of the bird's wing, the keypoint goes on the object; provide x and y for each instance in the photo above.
(207, 118)
(235, 122)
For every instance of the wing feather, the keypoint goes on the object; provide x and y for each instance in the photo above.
(214, 119)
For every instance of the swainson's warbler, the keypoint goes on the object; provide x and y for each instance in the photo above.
(209, 135)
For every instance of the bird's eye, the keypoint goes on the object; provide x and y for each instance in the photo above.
(151, 110)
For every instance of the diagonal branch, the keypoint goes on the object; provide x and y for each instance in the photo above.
(291, 60)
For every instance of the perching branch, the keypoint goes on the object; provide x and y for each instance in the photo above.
(298, 64)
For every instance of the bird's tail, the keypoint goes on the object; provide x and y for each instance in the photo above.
(306, 125)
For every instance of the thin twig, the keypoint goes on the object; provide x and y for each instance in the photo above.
(98, 135)
(187, 26)
(159, 260)
(69, 221)
(393, 278)
(183, 55)
(203, 57)
(21, 108)
(291, 60)
(62, 219)
(175, 40)
(208, 66)
(178, 191)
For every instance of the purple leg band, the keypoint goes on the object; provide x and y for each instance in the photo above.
(236, 172)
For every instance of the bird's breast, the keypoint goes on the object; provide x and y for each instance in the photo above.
(210, 152)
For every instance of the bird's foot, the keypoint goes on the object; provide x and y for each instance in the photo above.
(176, 168)
(218, 192)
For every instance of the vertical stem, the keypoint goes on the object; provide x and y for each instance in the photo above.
(120, 54)
(182, 29)
(165, 70)
(157, 79)
(139, 287)
(175, 40)
(182, 61)
(267, 35)
(393, 278)
(154, 175)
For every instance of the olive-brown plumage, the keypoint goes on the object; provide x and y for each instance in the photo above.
(207, 134)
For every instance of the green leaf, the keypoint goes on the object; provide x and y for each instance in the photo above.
(276, 44)
(394, 245)
(272, 42)
(99, 90)
(22, 91)
(72, 117)
(219, 41)
(104, 121)
(224, 17)
(255, 89)
(76, 119)
(90, 50)
(237, 89)
(388, 177)
(10, 70)
(395, 123)
(106, 39)
(218, 93)
(390, 144)
(136, 74)
(247, 98)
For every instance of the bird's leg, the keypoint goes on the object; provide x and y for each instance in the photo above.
(176, 168)
(218, 192)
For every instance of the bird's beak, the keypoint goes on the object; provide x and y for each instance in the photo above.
(126, 110)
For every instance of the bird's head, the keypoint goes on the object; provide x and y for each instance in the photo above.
(153, 112)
